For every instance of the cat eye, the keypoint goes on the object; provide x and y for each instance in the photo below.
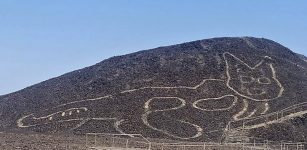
(247, 79)
(264, 80)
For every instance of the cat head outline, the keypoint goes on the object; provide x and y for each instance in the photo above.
(258, 83)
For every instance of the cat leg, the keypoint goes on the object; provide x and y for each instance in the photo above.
(166, 120)
(242, 113)
(259, 108)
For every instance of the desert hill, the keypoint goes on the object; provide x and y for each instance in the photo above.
(204, 90)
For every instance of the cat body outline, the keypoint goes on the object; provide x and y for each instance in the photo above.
(240, 101)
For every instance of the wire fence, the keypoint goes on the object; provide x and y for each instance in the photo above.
(101, 141)
(282, 115)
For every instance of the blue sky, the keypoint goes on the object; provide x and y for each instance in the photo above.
(41, 39)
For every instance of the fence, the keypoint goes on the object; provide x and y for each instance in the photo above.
(138, 142)
(117, 140)
(276, 117)
(31, 141)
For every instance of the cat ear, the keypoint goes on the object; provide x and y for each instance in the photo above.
(233, 63)
(266, 69)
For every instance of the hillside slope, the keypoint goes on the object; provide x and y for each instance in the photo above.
(196, 91)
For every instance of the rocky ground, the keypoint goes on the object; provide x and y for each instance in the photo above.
(13, 141)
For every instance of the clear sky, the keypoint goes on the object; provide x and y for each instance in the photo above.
(41, 39)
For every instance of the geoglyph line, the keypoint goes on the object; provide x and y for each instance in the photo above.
(92, 99)
(293, 107)
(277, 114)
(266, 108)
(245, 107)
(118, 129)
(80, 124)
(67, 110)
(235, 100)
(147, 109)
(251, 114)
(199, 130)
(280, 120)
(252, 68)
(20, 123)
(183, 103)
(277, 81)
(176, 87)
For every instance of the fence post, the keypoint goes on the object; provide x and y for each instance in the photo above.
(95, 140)
(149, 146)
(86, 140)
(113, 141)
(297, 146)
(266, 142)
(282, 114)
(204, 146)
(127, 142)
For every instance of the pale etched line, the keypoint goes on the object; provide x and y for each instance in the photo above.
(294, 106)
(199, 130)
(88, 119)
(235, 100)
(266, 108)
(109, 96)
(277, 81)
(257, 65)
(81, 123)
(278, 113)
(280, 120)
(250, 93)
(252, 113)
(204, 81)
(93, 99)
(245, 106)
(268, 57)
(175, 87)
(21, 124)
(69, 120)
(243, 63)
(80, 108)
(128, 91)
(103, 118)
(249, 43)
(281, 111)
(118, 129)
(182, 87)
(183, 103)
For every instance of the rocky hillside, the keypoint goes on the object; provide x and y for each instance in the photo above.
(206, 90)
